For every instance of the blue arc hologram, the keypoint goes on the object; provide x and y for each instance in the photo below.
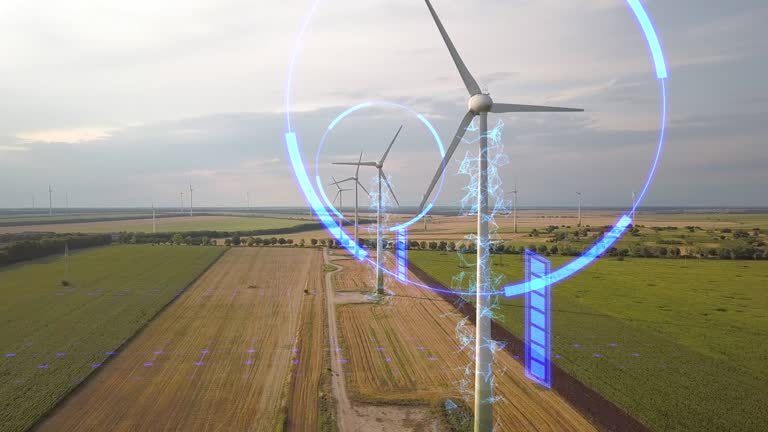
(573, 267)
(538, 320)
(401, 255)
(369, 104)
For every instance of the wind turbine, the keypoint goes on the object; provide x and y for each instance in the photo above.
(181, 209)
(50, 201)
(480, 104)
(190, 198)
(633, 207)
(356, 179)
(579, 223)
(340, 197)
(514, 207)
(154, 226)
(380, 167)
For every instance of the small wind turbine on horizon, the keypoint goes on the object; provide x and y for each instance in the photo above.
(356, 179)
(340, 196)
(633, 207)
(579, 222)
(181, 209)
(50, 201)
(514, 207)
(190, 198)
(480, 104)
(379, 250)
(154, 226)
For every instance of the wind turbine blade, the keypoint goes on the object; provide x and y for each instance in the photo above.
(390, 145)
(508, 108)
(373, 164)
(389, 186)
(336, 197)
(469, 80)
(361, 185)
(357, 170)
(448, 154)
(341, 181)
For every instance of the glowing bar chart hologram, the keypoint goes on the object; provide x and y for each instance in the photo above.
(538, 324)
(401, 255)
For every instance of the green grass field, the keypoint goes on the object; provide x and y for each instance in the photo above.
(220, 223)
(52, 337)
(176, 224)
(679, 344)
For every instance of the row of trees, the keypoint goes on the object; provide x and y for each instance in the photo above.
(50, 244)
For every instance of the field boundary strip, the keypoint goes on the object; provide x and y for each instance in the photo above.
(91, 376)
(597, 409)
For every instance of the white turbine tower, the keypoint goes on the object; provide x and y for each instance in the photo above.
(340, 196)
(514, 207)
(50, 201)
(190, 198)
(480, 104)
(633, 207)
(181, 208)
(579, 222)
(154, 226)
(356, 179)
(380, 167)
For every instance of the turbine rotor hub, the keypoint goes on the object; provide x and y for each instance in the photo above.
(480, 103)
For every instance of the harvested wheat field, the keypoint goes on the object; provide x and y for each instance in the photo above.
(219, 358)
(406, 351)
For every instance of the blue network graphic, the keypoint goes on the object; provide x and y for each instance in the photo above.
(465, 282)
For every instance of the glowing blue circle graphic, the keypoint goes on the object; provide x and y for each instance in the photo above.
(363, 105)
(318, 201)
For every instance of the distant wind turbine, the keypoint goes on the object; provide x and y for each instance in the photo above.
(181, 209)
(356, 179)
(514, 207)
(190, 198)
(579, 194)
(50, 201)
(340, 196)
(380, 167)
(633, 207)
(154, 226)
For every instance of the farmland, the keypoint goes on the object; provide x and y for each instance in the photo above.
(166, 224)
(52, 336)
(679, 344)
(405, 351)
(233, 353)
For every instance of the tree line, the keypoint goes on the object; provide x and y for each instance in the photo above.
(34, 246)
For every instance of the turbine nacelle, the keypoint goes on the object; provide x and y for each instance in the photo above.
(480, 103)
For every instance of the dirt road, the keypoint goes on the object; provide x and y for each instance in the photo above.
(357, 417)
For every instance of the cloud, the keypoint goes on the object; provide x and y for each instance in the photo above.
(67, 136)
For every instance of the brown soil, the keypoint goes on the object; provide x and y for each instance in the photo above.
(191, 368)
(405, 352)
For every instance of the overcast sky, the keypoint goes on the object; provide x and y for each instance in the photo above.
(121, 103)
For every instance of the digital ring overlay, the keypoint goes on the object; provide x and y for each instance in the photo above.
(326, 213)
